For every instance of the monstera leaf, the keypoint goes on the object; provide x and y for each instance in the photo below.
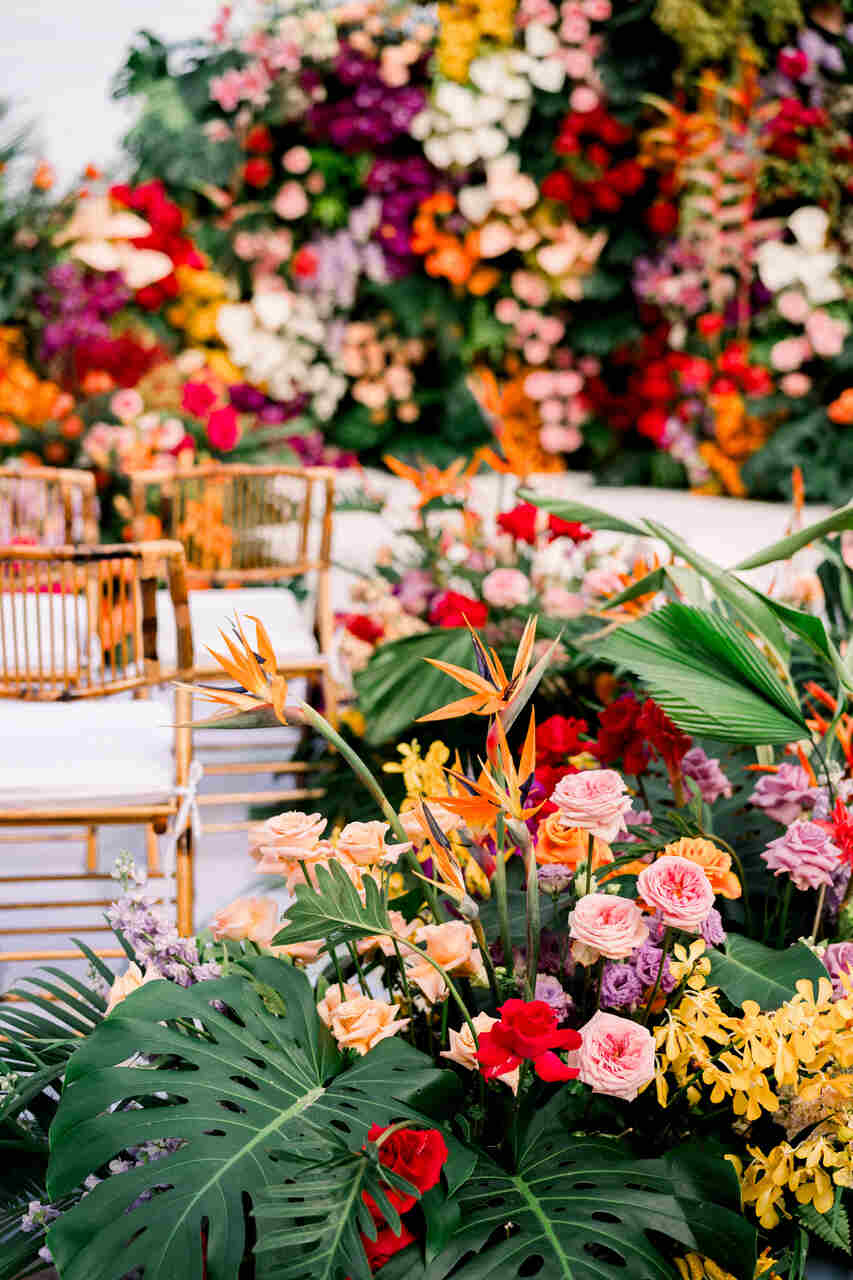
(243, 1074)
(585, 1209)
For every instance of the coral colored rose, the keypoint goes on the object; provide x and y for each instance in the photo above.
(301, 952)
(527, 1030)
(715, 862)
(386, 1244)
(679, 889)
(364, 844)
(453, 946)
(595, 799)
(362, 1022)
(131, 980)
(453, 609)
(418, 1155)
(557, 844)
(506, 588)
(252, 918)
(463, 1050)
(223, 429)
(602, 925)
(617, 1056)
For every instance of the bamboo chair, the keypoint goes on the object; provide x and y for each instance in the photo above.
(47, 506)
(244, 528)
(78, 626)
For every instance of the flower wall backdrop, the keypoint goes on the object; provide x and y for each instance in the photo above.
(610, 237)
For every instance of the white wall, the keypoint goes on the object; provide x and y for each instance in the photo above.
(58, 57)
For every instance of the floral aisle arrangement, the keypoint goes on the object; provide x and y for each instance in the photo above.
(583, 1025)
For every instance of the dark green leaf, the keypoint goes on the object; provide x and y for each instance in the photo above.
(398, 685)
(747, 970)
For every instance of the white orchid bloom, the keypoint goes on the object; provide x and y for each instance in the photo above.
(807, 263)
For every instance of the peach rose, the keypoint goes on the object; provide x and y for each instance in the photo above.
(415, 826)
(453, 946)
(334, 997)
(678, 888)
(568, 846)
(301, 952)
(360, 1023)
(402, 927)
(285, 839)
(364, 844)
(617, 1056)
(463, 1051)
(603, 925)
(715, 862)
(252, 918)
(130, 980)
(594, 799)
(506, 588)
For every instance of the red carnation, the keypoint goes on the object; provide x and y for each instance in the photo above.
(259, 140)
(418, 1155)
(197, 398)
(559, 528)
(223, 429)
(709, 324)
(363, 626)
(652, 423)
(842, 831)
(386, 1244)
(527, 1031)
(558, 186)
(453, 609)
(558, 737)
(257, 172)
(662, 217)
(792, 63)
(665, 738)
(520, 522)
(627, 177)
(619, 737)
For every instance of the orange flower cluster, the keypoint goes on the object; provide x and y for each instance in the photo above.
(738, 436)
(841, 410)
(456, 258)
(515, 420)
(24, 397)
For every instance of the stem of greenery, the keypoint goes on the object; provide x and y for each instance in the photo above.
(483, 945)
(362, 982)
(818, 913)
(647, 1013)
(499, 885)
(407, 991)
(534, 923)
(463, 1008)
(340, 977)
(786, 906)
(590, 849)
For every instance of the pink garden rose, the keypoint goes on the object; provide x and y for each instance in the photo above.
(825, 333)
(603, 925)
(806, 853)
(617, 1056)
(678, 888)
(252, 918)
(557, 602)
(595, 800)
(506, 588)
(364, 844)
(838, 959)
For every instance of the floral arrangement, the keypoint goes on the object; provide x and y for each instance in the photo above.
(580, 1005)
(613, 238)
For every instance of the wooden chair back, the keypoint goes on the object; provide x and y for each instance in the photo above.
(82, 621)
(244, 525)
(47, 506)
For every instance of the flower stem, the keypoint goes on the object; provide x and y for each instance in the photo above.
(647, 1013)
(590, 850)
(463, 1008)
(818, 913)
(362, 981)
(534, 923)
(499, 881)
(786, 906)
(483, 945)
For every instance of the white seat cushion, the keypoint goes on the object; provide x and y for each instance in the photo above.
(106, 751)
(48, 632)
(212, 611)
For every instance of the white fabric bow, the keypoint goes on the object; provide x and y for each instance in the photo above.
(188, 814)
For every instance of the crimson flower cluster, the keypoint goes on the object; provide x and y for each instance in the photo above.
(527, 1031)
(521, 524)
(633, 731)
(454, 609)
(166, 221)
(418, 1155)
(673, 384)
(599, 176)
(558, 738)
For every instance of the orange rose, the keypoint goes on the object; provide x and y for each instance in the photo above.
(841, 410)
(567, 846)
(715, 862)
(453, 946)
(361, 1022)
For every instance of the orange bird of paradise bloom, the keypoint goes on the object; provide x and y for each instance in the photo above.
(501, 788)
(820, 724)
(430, 481)
(260, 684)
(491, 690)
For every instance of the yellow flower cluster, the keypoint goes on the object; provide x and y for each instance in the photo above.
(793, 1063)
(694, 1267)
(463, 24)
(196, 312)
(425, 776)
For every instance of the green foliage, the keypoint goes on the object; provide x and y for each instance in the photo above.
(253, 1099)
(747, 970)
(710, 30)
(334, 910)
(832, 1228)
(812, 442)
(583, 1208)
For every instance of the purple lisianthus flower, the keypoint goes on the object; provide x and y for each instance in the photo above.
(838, 959)
(706, 772)
(555, 878)
(646, 963)
(620, 986)
(414, 590)
(784, 794)
(711, 929)
(549, 990)
(806, 853)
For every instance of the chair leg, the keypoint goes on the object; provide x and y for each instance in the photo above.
(92, 849)
(330, 699)
(152, 851)
(184, 883)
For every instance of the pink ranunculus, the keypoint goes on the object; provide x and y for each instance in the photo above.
(602, 925)
(617, 1056)
(825, 333)
(291, 202)
(793, 305)
(556, 438)
(557, 602)
(597, 10)
(789, 354)
(530, 288)
(252, 918)
(583, 99)
(796, 385)
(496, 238)
(595, 800)
(127, 405)
(297, 160)
(506, 310)
(506, 588)
(679, 889)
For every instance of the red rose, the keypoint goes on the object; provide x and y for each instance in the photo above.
(792, 63)
(558, 528)
(259, 139)
(197, 398)
(257, 172)
(652, 423)
(363, 626)
(304, 263)
(612, 132)
(662, 217)
(709, 324)
(664, 737)
(627, 177)
(557, 186)
(756, 381)
(558, 737)
(605, 197)
(453, 609)
(223, 429)
(418, 1155)
(386, 1244)
(520, 522)
(599, 156)
(527, 1031)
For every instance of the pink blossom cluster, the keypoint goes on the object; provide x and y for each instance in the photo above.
(381, 363)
